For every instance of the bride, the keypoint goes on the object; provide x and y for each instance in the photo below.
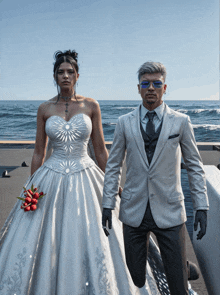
(61, 248)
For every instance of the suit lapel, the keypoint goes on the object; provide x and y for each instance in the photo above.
(135, 128)
(168, 120)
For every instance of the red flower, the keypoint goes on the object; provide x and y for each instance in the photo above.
(33, 207)
(36, 195)
(28, 200)
(34, 201)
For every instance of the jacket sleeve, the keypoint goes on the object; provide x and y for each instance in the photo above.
(114, 167)
(195, 170)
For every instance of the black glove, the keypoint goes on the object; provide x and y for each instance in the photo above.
(106, 215)
(201, 217)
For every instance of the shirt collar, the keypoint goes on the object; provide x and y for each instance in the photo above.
(159, 111)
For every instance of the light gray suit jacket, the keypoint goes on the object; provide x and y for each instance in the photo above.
(159, 182)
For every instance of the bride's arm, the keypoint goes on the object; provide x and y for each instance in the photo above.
(41, 141)
(97, 137)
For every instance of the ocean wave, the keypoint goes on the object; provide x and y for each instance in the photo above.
(108, 124)
(206, 126)
(210, 111)
(197, 111)
(23, 115)
(125, 108)
(182, 111)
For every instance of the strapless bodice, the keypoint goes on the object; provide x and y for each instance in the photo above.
(69, 140)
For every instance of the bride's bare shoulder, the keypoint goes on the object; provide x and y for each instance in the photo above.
(91, 102)
(51, 101)
(46, 105)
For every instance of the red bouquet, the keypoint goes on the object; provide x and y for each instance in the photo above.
(31, 198)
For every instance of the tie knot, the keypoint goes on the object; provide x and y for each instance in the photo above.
(151, 115)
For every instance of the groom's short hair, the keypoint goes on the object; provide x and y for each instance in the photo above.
(151, 67)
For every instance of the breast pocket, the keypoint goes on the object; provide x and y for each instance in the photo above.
(173, 141)
(173, 136)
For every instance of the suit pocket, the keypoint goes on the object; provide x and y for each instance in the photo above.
(173, 136)
(125, 195)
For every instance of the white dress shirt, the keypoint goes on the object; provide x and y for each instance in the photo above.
(157, 118)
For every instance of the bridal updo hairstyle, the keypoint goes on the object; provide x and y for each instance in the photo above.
(69, 56)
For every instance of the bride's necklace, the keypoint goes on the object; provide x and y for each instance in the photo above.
(66, 98)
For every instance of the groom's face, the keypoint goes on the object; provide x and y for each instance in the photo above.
(150, 92)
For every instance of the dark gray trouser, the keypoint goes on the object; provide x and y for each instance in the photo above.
(172, 247)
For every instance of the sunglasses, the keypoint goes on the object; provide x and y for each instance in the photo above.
(156, 84)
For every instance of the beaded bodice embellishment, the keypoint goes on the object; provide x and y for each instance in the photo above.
(69, 140)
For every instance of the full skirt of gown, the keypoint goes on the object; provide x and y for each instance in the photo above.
(61, 248)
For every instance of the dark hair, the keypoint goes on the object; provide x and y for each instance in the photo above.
(69, 56)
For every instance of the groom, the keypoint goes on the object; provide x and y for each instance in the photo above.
(153, 137)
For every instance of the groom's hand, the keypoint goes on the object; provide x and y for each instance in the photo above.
(201, 217)
(106, 215)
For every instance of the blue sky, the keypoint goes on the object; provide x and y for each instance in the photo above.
(113, 38)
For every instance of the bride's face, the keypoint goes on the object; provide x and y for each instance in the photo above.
(66, 76)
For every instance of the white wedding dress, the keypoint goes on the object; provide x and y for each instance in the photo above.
(61, 248)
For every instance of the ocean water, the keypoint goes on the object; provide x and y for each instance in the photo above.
(18, 118)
